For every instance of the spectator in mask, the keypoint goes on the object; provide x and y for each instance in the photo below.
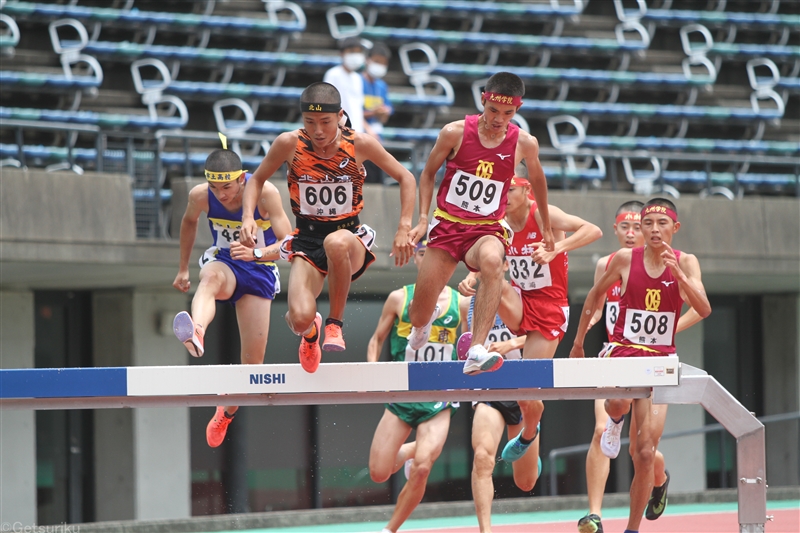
(376, 100)
(348, 81)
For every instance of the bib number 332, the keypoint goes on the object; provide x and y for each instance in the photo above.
(326, 199)
(474, 194)
(649, 327)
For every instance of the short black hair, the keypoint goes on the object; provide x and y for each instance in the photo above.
(221, 160)
(380, 49)
(505, 83)
(350, 42)
(521, 170)
(321, 93)
(634, 206)
(663, 202)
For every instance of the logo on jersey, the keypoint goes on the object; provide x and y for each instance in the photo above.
(503, 156)
(616, 291)
(344, 162)
(532, 235)
(652, 300)
(443, 335)
(448, 319)
(485, 169)
(667, 283)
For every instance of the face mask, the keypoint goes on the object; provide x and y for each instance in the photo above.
(353, 61)
(376, 70)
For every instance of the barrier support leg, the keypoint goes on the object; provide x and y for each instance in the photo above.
(697, 387)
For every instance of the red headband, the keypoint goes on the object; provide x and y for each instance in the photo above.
(517, 181)
(660, 209)
(502, 99)
(629, 217)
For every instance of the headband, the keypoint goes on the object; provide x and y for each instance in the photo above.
(311, 107)
(228, 175)
(421, 245)
(502, 98)
(517, 181)
(629, 217)
(660, 209)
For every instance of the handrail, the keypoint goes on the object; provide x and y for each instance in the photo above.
(710, 428)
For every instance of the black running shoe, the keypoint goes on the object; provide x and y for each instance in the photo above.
(658, 501)
(590, 524)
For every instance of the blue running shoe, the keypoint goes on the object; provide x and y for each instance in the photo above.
(515, 449)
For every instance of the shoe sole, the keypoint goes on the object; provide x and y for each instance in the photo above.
(426, 330)
(333, 347)
(490, 365)
(183, 327)
(463, 344)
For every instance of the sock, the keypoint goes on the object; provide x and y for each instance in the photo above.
(386, 530)
(313, 335)
(630, 531)
(617, 422)
(225, 413)
(334, 322)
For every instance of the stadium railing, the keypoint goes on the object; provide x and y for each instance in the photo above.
(494, 9)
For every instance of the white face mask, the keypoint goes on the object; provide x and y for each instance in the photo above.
(376, 70)
(353, 61)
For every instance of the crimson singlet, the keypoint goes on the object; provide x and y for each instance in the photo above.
(648, 311)
(538, 281)
(612, 302)
(476, 180)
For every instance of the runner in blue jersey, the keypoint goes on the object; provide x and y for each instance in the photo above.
(246, 277)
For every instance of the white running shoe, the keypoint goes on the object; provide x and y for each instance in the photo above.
(418, 337)
(407, 468)
(479, 360)
(609, 442)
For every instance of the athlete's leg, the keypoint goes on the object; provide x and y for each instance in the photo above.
(487, 255)
(659, 464)
(597, 464)
(389, 436)
(217, 282)
(536, 347)
(510, 309)
(487, 430)
(431, 435)
(435, 271)
(252, 313)
(406, 452)
(526, 469)
(305, 285)
(650, 421)
(346, 256)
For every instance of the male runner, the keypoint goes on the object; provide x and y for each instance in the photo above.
(541, 277)
(481, 152)
(245, 276)
(655, 281)
(325, 180)
(430, 419)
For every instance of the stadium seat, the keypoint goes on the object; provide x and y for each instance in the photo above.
(641, 111)
(9, 38)
(676, 17)
(104, 120)
(38, 80)
(495, 9)
(744, 50)
(183, 21)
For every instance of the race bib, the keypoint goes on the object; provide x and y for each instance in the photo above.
(474, 194)
(529, 275)
(649, 327)
(326, 199)
(612, 312)
(501, 335)
(227, 232)
(431, 351)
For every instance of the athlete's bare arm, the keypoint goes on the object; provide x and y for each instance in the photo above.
(281, 151)
(368, 148)
(687, 273)
(447, 144)
(269, 206)
(687, 320)
(503, 347)
(583, 233)
(617, 270)
(391, 310)
(599, 269)
(528, 149)
(198, 203)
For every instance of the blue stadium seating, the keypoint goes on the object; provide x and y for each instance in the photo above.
(35, 80)
(497, 9)
(182, 21)
(104, 120)
(683, 16)
(684, 144)
(549, 107)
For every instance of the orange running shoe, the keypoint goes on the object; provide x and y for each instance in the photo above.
(190, 335)
(310, 354)
(334, 341)
(217, 427)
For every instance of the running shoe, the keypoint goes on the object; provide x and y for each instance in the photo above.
(590, 524)
(407, 468)
(334, 341)
(463, 344)
(190, 335)
(218, 427)
(515, 449)
(658, 501)
(418, 337)
(609, 442)
(480, 360)
(310, 353)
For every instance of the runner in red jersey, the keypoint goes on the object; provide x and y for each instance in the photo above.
(655, 281)
(481, 153)
(325, 178)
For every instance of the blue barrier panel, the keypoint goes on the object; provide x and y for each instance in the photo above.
(530, 374)
(63, 382)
